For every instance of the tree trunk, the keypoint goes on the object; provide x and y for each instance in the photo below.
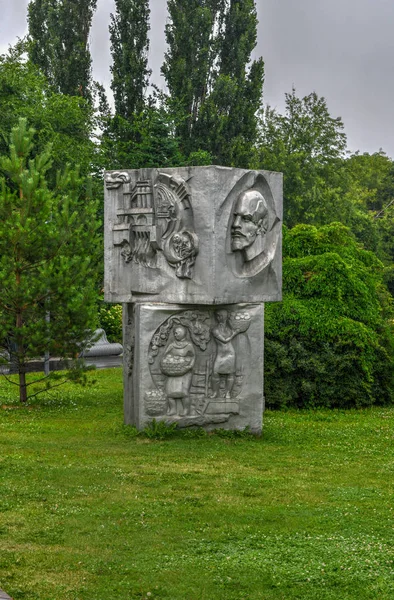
(20, 354)
(22, 384)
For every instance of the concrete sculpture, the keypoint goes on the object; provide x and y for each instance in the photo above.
(193, 253)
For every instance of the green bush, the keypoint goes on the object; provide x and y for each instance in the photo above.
(330, 342)
(110, 318)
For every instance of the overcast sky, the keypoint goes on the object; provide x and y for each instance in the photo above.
(342, 49)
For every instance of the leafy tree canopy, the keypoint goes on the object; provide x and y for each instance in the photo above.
(129, 30)
(64, 121)
(148, 140)
(308, 146)
(212, 82)
(59, 35)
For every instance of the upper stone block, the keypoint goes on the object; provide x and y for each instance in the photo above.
(193, 235)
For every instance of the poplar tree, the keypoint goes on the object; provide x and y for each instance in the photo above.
(129, 30)
(48, 254)
(59, 35)
(141, 132)
(192, 35)
(210, 77)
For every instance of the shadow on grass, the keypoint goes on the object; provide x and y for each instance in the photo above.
(160, 430)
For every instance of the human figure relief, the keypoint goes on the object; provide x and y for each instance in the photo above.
(224, 365)
(177, 364)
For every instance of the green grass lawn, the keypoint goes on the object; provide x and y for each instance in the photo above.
(90, 511)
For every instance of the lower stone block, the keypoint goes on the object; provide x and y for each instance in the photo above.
(194, 365)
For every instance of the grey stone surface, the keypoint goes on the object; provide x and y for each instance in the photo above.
(193, 253)
(101, 346)
(196, 235)
(194, 365)
(104, 362)
(129, 334)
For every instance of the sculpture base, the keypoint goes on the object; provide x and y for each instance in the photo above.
(197, 366)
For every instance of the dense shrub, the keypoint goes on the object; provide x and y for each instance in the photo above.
(330, 342)
(110, 318)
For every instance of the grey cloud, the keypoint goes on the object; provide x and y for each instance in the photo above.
(343, 50)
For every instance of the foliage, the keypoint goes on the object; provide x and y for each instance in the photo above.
(129, 48)
(48, 249)
(192, 35)
(59, 43)
(307, 145)
(330, 342)
(159, 430)
(141, 133)
(213, 92)
(371, 187)
(146, 141)
(372, 173)
(119, 517)
(110, 319)
(65, 122)
(371, 190)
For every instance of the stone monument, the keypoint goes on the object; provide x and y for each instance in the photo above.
(193, 254)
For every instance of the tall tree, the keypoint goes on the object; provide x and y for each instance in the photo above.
(308, 145)
(48, 249)
(145, 141)
(129, 30)
(210, 79)
(372, 192)
(141, 133)
(66, 122)
(227, 125)
(59, 34)
(192, 36)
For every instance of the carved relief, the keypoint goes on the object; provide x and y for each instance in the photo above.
(177, 364)
(197, 361)
(180, 251)
(250, 224)
(115, 179)
(253, 229)
(228, 326)
(156, 219)
(129, 343)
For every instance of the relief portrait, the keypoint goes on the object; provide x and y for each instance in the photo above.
(253, 229)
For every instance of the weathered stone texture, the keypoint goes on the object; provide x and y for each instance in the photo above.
(193, 254)
(196, 366)
(171, 236)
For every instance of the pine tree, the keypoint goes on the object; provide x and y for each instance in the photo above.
(210, 79)
(129, 47)
(59, 34)
(48, 245)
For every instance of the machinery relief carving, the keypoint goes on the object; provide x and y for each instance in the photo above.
(198, 363)
(155, 219)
